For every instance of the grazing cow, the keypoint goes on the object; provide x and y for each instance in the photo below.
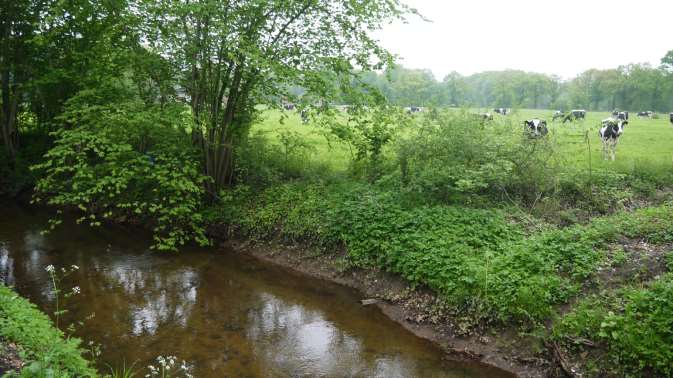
(624, 116)
(557, 114)
(536, 127)
(501, 111)
(647, 114)
(574, 115)
(670, 118)
(288, 106)
(483, 117)
(570, 117)
(611, 130)
(414, 109)
(579, 113)
(304, 116)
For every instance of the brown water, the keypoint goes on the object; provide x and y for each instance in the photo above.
(225, 314)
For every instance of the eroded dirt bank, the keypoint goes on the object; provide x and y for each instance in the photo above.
(418, 310)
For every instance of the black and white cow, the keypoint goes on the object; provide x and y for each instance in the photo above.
(623, 115)
(557, 114)
(670, 118)
(579, 113)
(611, 130)
(304, 116)
(288, 106)
(647, 114)
(501, 111)
(536, 127)
(574, 115)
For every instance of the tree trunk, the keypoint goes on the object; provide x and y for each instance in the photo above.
(8, 117)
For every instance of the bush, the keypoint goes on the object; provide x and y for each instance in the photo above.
(43, 347)
(126, 161)
(451, 156)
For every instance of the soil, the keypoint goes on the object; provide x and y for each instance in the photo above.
(416, 309)
(9, 357)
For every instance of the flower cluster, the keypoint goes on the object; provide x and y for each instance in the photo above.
(165, 367)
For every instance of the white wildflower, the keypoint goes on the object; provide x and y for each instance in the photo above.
(49, 268)
(76, 290)
(74, 267)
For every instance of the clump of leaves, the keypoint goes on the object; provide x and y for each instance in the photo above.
(633, 325)
(126, 161)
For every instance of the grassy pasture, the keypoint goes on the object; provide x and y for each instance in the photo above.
(645, 148)
(327, 150)
(647, 144)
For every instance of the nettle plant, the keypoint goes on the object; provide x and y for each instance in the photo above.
(126, 162)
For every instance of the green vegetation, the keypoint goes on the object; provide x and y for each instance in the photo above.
(44, 349)
(633, 325)
(638, 87)
(173, 115)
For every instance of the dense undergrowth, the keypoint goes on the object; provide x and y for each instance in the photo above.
(43, 348)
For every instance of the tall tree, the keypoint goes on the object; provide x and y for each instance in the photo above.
(233, 55)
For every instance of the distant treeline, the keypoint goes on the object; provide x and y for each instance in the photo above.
(629, 87)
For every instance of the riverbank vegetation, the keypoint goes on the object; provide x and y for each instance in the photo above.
(44, 350)
(228, 117)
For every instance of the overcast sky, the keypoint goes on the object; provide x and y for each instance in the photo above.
(563, 37)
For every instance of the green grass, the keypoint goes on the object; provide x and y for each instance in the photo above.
(647, 144)
(327, 151)
(646, 148)
(44, 349)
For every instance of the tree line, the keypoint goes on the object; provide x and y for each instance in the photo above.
(629, 87)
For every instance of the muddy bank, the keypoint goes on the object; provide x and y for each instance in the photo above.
(418, 310)
(9, 357)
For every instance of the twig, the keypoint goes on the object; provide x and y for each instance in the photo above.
(562, 361)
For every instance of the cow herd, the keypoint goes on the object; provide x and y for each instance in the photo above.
(610, 131)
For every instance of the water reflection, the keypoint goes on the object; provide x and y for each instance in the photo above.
(227, 315)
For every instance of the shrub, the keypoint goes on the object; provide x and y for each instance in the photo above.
(453, 155)
(126, 161)
(449, 155)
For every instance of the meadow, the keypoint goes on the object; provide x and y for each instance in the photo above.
(646, 146)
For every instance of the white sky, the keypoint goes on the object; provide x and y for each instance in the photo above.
(563, 37)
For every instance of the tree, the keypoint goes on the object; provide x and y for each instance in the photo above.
(18, 22)
(454, 89)
(48, 51)
(231, 56)
(667, 62)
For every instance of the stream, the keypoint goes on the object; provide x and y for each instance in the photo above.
(225, 314)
